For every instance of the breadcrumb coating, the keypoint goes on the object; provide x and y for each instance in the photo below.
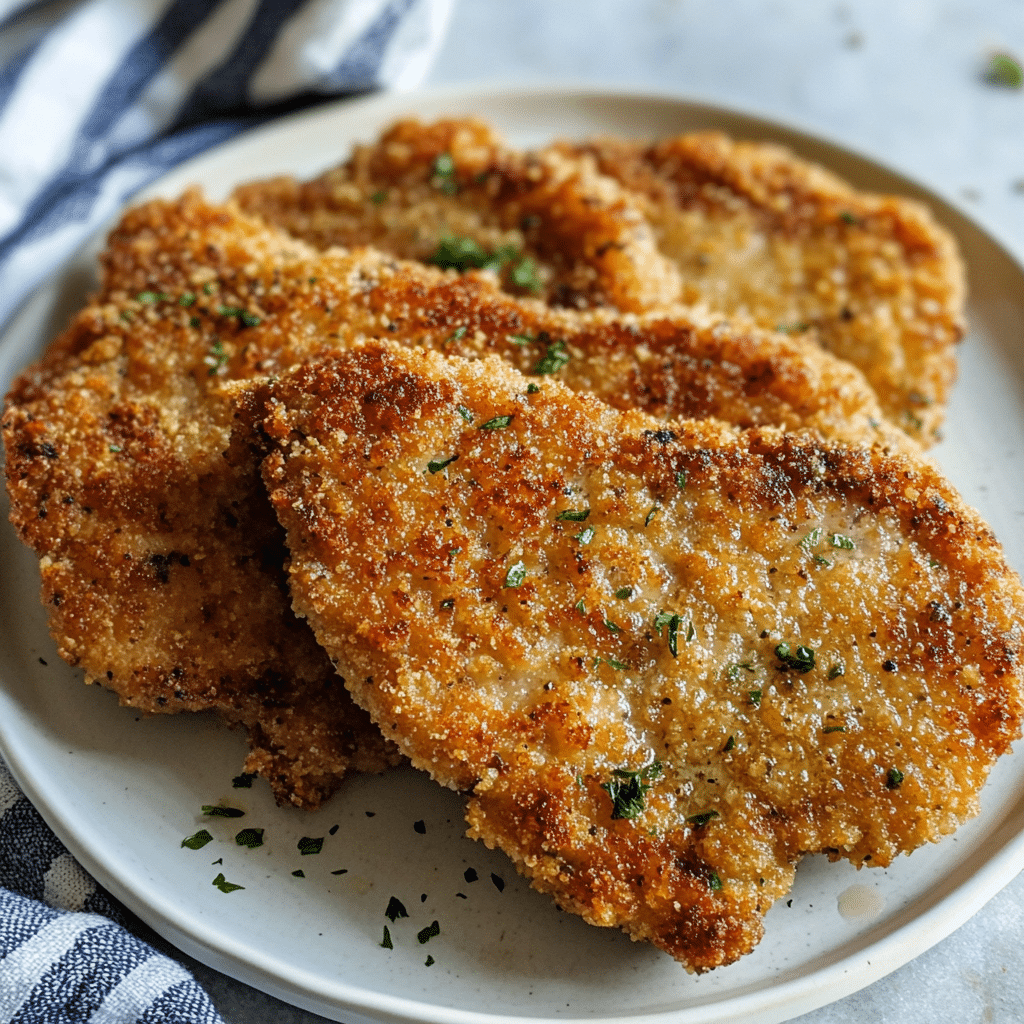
(663, 660)
(553, 226)
(759, 232)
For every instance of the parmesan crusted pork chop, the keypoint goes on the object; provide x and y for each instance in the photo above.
(664, 660)
(755, 230)
(452, 194)
(162, 564)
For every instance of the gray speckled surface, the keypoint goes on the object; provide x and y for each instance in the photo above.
(898, 79)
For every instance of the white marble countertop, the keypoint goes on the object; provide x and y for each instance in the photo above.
(900, 80)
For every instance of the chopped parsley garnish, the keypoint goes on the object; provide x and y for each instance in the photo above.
(396, 909)
(650, 515)
(893, 778)
(821, 560)
(681, 479)
(187, 299)
(246, 318)
(308, 845)
(114, 448)
(611, 663)
(149, 298)
(581, 606)
(624, 593)
(586, 535)
(553, 359)
(663, 619)
(730, 744)
(250, 837)
(733, 671)
(628, 789)
(243, 781)
(1004, 70)
(521, 339)
(837, 670)
(208, 288)
(837, 540)
(515, 575)
(437, 465)
(197, 841)
(611, 626)
(797, 328)
(498, 423)
(811, 539)
(524, 275)
(848, 218)
(378, 197)
(574, 515)
(532, 389)
(800, 659)
(456, 335)
(447, 604)
(754, 696)
(224, 885)
(217, 357)
(834, 728)
(222, 812)
(444, 174)
(714, 882)
(697, 820)
(426, 934)
(464, 413)
(460, 254)
(386, 942)
(194, 322)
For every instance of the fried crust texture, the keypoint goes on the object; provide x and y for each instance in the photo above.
(757, 231)
(161, 560)
(663, 660)
(451, 193)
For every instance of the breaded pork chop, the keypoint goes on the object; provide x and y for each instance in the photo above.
(664, 660)
(162, 562)
(116, 447)
(755, 230)
(451, 193)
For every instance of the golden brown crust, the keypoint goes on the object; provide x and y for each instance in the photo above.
(439, 553)
(162, 562)
(756, 231)
(582, 235)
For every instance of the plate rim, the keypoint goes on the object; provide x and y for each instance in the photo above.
(785, 1000)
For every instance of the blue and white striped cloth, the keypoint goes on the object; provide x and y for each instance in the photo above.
(105, 98)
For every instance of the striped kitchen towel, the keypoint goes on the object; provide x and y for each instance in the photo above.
(105, 98)
(64, 953)
(118, 91)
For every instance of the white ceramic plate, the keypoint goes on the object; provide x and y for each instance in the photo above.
(122, 792)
